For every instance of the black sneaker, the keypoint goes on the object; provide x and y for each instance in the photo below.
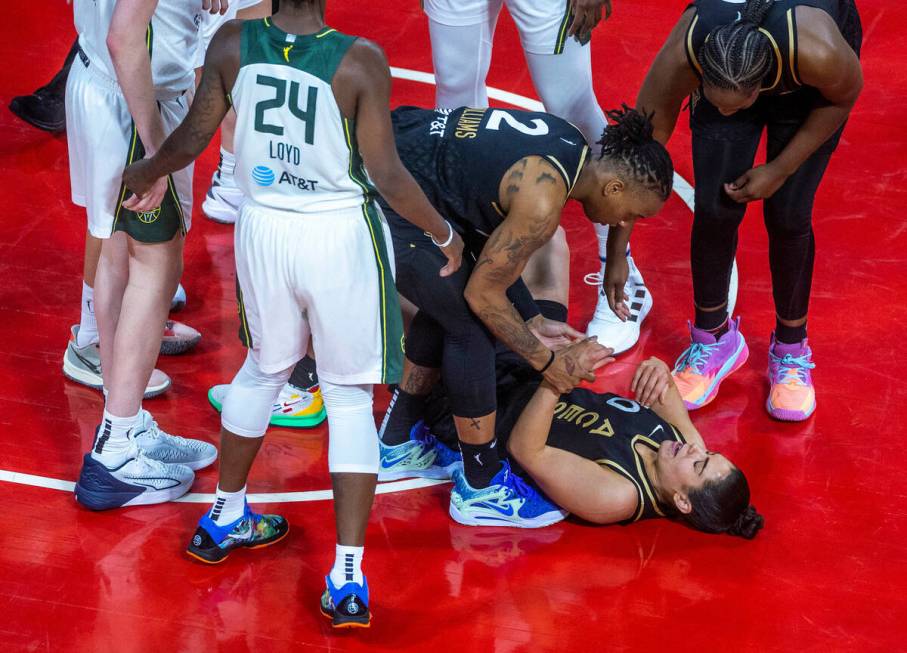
(43, 109)
(346, 607)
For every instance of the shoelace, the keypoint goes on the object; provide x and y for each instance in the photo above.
(154, 432)
(695, 357)
(791, 367)
(518, 485)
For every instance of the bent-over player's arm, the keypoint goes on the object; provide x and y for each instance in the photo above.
(362, 86)
(211, 104)
(576, 484)
(669, 81)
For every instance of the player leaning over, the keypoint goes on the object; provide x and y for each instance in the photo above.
(312, 259)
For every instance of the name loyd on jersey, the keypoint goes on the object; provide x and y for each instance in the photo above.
(291, 155)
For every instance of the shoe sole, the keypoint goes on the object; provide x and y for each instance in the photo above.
(215, 214)
(262, 545)
(110, 500)
(736, 362)
(178, 346)
(52, 127)
(435, 472)
(345, 624)
(541, 521)
(307, 422)
(82, 377)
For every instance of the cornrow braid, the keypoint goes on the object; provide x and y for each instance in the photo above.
(628, 143)
(738, 56)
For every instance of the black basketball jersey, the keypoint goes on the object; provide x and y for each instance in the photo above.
(780, 26)
(459, 157)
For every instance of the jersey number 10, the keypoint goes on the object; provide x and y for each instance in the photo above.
(306, 115)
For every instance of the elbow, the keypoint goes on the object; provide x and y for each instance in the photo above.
(473, 297)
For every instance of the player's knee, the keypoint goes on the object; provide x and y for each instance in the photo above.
(247, 405)
(353, 436)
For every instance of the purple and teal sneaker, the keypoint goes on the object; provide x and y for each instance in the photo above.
(707, 362)
(792, 397)
(212, 543)
(422, 456)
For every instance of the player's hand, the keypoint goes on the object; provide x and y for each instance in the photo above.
(617, 270)
(586, 15)
(553, 334)
(148, 191)
(757, 183)
(577, 363)
(454, 254)
(215, 6)
(651, 382)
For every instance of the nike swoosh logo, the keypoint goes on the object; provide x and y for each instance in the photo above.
(509, 512)
(656, 430)
(87, 363)
(150, 484)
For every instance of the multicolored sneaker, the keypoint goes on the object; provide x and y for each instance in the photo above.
(422, 456)
(178, 338)
(792, 397)
(346, 607)
(212, 544)
(83, 365)
(172, 449)
(294, 407)
(507, 501)
(611, 330)
(707, 362)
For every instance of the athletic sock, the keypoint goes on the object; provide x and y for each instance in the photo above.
(228, 506)
(402, 413)
(480, 462)
(347, 565)
(227, 165)
(715, 322)
(790, 335)
(601, 232)
(88, 324)
(112, 441)
(304, 376)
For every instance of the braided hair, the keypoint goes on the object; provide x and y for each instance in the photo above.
(738, 56)
(628, 143)
(724, 507)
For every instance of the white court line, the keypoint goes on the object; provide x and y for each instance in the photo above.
(683, 189)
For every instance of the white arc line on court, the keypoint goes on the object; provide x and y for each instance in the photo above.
(683, 189)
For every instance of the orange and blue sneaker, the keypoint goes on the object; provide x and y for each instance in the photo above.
(212, 544)
(792, 397)
(294, 407)
(707, 362)
(347, 606)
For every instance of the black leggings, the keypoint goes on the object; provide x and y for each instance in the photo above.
(724, 147)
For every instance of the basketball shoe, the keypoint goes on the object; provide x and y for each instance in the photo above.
(422, 456)
(212, 543)
(223, 197)
(178, 338)
(611, 330)
(792, 397)
(707, 362)
(294, 407)
(346, 606)
(172, 449)
(507, 501)
(178, 302)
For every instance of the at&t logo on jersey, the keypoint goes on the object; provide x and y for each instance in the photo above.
(262, 175)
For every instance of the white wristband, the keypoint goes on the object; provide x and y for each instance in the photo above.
(447, 242)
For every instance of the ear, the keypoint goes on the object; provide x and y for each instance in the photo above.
(682, 503)
(614, 187)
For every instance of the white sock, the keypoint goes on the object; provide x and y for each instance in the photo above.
(228, 506)
(227, 164)
(112, 441)
(347, 565)
(601, 232)
(88, 325)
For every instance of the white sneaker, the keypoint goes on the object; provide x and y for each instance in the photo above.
(178, 302)
(610, 329)
(222, 199)
(172, 449)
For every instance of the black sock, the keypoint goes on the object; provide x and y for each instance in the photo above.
(403, 411)
(304, 375)
(790, 335)
(715, 322)
(480, 462)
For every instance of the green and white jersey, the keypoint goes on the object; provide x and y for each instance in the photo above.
(171, 37)
(295, 151)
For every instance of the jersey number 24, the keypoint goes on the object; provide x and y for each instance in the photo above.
(281, 99)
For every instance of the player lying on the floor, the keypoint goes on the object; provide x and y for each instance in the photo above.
(605, 458)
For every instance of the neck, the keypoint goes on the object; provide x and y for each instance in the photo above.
(586, 184)
(305, 18)
(648, 462)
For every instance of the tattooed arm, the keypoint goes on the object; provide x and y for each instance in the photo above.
(192, 136)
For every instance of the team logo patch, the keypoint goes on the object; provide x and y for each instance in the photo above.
(149, 217)
(263, 175)
(197, 540)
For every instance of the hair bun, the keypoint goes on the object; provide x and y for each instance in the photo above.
(630, 126)
(748, 524)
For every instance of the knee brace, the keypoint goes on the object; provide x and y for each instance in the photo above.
(247, 406)
(353, 436)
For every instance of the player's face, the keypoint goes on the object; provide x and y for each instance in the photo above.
(685, 467)
(729, 102)
(619, 205)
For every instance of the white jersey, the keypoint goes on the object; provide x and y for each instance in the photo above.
(295, 151)
(172, 39)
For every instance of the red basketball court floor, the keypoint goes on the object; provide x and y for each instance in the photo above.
(826, 573)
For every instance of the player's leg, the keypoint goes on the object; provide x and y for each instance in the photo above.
(723, 148)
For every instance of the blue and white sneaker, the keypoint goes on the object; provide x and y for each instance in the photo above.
(347, 607)
(172, 449)
(507, 501)
(212, 544)
(422, 456)
(137, 481)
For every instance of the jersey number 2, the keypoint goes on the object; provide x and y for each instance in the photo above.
(306, 115)
(496, 117)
